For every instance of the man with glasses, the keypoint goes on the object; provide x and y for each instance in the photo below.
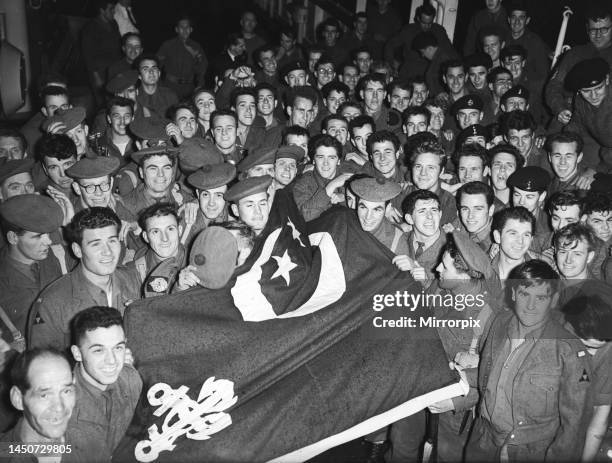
(599, 31)
(151, 94)
(500, 81)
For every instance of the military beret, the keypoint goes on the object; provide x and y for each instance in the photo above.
(93, 167)
(150, 128)
(516, 91)
(529, 178)
(294, 66)
(195, 153)
(587, 73)
(70, 117)
(14, 167)
(510, 51)
(473, 255)
(248, 187)
(475, 130)
(478, 59)
(122, 82)
(257, 157)
(376, 189)
(32, 212)
(139, 156)
(423, 40)
(291, 152)
(467, 102)
(214, 254)
(212, 176)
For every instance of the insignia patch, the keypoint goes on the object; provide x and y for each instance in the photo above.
(584, 377)
(158, 285)
(38, 320)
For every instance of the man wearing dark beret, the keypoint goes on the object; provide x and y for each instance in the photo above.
(250, 202)
(72, 123)
(467, 110)
(286, 163)
(16, 178)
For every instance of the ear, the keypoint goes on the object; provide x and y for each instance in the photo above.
(16, 398)
(527, 21)
(76, 353)
(180, 229)
(12, 238)
(579, 158)
(491, 210)
(361, 93)
(289, 111)
(141, 172)
(86, 129)
(496, 236)
(542, 197)
(513, 294)
(486, 171)
(235, 210)
(108, 119)
(590, 256)
(76, 250)
(76, 189)
(408, 219)
(145, 236)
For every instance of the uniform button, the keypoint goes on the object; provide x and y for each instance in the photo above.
(520, 423)
(511, 436)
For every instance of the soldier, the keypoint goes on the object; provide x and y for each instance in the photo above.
(467, 110)
(429, 47)
(131, 46)
(184, 125)
(223, 126)
(300, 106)
(476, 208)
(563, 208)
(565, 156)
(574, 251)
(518, 129)
(471, 163)
(250, 133)
(529, 189)
(399, 94)
(500, 81)
(118, 142)
(373, 94)
(360, 129)
(334, 94)
(72, 123)
(56, 153)
(252, 41)
(250, 201)
(268, 67)
(53, 97)
(259, 162)
(286, 163)
(151, 94)
(493, 15)
(504, 160)
(13, 145)
(16, 178)
(415, 120)
(491, 40)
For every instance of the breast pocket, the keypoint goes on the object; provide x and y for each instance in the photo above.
(544, 394)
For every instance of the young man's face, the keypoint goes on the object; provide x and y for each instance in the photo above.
(56, 170)
(426, 171)
(502, 166)
(501, 84)
(455, 79)
(400, 99)
(478, 77)
(48, 403)
(119, 119)
(420, 92)
(564, 215)
(334, 100)
(162, 234)
(205, 102)
(492, 46)
(53, 103)
(298, 140)
(31, 245)
(245, 109)
(363, 61)
(102, 190)
(186, 122)
(514, 103)
(265, 102)
(102, 354)
(267, 61)
(78, 135)
(426, 22)
(248, 22)
(351, 112)
(370, 214)
(11, 148)
(253, 210)
(437, 117)
(149, 72)
(425, 218)
(564, 159)
(532, 304)
(471, 169)
(287, 42)
(516, 65)
(448, 273)
(212, 202)
(530, 200)
(132, 48)
(99, 250)
(350, 76)
(313, 57)
(224, 131)
(260, 170)
(467, 117)
(384, 157)
(474, 212)
(157, 173)
(572, 259)
(518, 20)
(360, 137)
(514, 239)
(361, 25)
(596, 94)
(285, 170)
(326, 161)
(301, 113)
(330, 35)
(601, 223)
(296, 78)
(521, 139)
(338, 128)
(416, 123)
(129, 93)
(15, 185)
(600, 32)
(373, 96)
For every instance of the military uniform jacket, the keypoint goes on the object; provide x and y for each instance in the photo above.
(547, 395)
(310, 195)
(159, 101)
(138, 200)
(50, 316)
(179, 64)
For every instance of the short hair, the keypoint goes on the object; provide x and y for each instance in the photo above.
(128, 35)
(55, 145)
(157, 210)
(488, 31)
(288, 32)
(21, 365)
(459, 259)
(513, 50)
(295, 130)
(590, 315)
(497, 70)
(51, 79)
(382, 136)
(302, 91)
(401, 84)
(425, 9)
(263, 49)
(517, 120)
(451, 63)
(265, 86)
(362, 49)
(53, 90)
(565, 198)
(146, 57)
(349, 104)
(565, 137)
(336, 86)
(471, 149)
(244, 231)
(533, 272)
(415, 140)
(597, 10)
(241, 91)
(507, 149)
(325, 59)
(119, 101)
(372, 77)
(410, 201)
(518, 5)
(222, 112)
(232, 39)
(94, 318)
(323, 140)
(174, 109)
(519, 213)
(424, 40)
(416, 111)
(360, 15)
(360, 121)
(333, 117)
(331, 22)
(596, 202)
(6, 132)
(571, 234)
(90, 219)
(476, 188)
(433, 147)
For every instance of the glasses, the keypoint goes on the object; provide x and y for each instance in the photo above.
(91, 189)
(325, 71)
(599, 30)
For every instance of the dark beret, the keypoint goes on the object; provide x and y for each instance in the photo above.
(32, 212)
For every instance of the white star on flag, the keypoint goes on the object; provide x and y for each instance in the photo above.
(295, 232)
(284, 266)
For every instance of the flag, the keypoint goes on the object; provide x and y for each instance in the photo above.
(229, 390)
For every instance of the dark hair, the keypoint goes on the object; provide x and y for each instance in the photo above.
(425, 9)
(55, 145)
(6, 132)
(232, 39)
(302, 91)
(416, 111)
(518, 5)
(487, 31)
(517, 213)
(416, 140)
(349, 104)
(564, 199)
(93, 318)
(471, 150)
(145, 57)
(401, 84)
(323, 140)
(372, 77)
(241, 91)
(336, 86)
(476, 188)
(128, 35)
(53, 90)
(362, 49)
(265, 86)
(423, 40)
(382, 136)
(157, 210)
(497, 70)
(517, 120)
(52, 79)
(288, 32)
(244, 231)
(565, 137)
(119, 101)
(410, 201)
(325, 59)
(296, 130)
(509, 149)
(222, 112)
(433, 147)
(598, 9)
(596, 202)
(90, 219)
(21, 365)
(531, 273)
(360, 121)
(513, 50)
(332, 117)
(590, 314)
(571, 234)
(451, 63)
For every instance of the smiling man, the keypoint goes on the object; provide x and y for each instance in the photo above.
(513, 232)
(529, 189)
(107, 388)
(56, 153)
(565, 156)
(475, 203)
